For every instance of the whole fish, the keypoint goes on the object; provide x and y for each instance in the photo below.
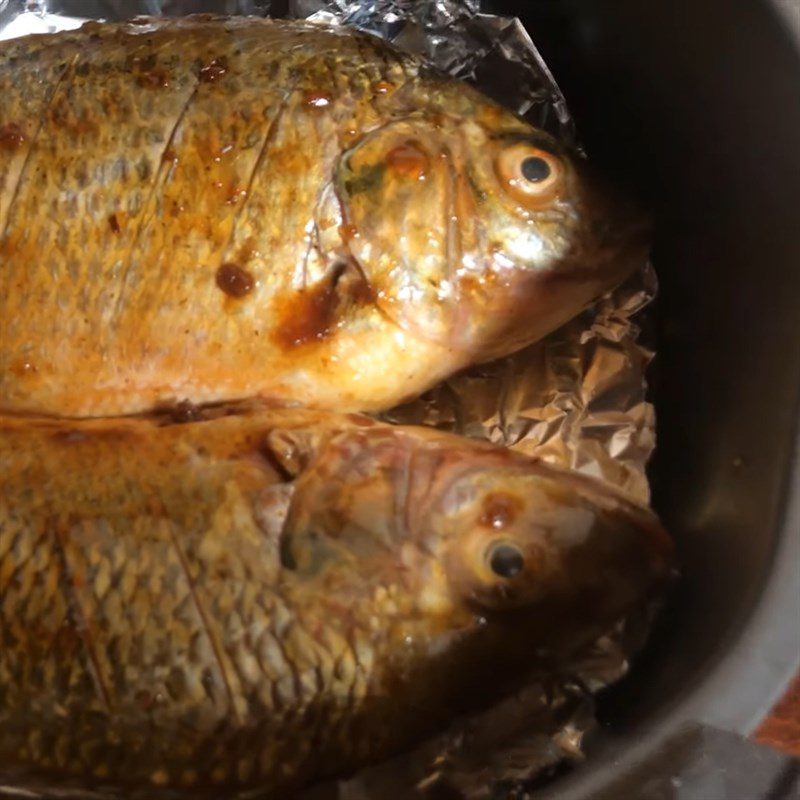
(262, 598)
(220, 208)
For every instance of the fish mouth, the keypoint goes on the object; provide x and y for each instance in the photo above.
(618, 249)
(618, 232)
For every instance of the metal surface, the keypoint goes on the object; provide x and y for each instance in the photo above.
(702, 763)
(790, 9)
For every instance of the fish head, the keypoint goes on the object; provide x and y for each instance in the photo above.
(522, 570)
(471, 534)
(544, 550)
(468, 564)
(476, 230)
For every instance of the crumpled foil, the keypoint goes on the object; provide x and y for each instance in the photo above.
(576, 399)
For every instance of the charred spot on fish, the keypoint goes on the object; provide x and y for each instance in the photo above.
(11, 136)
(214, 70)
(505, 559)
(113, 223)
(535, 169)
(314, 313)
(408, 160)
(499, 511)
(310, 315)
(234, 281)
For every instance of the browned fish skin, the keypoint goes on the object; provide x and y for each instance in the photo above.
(272, 596)
(218, 209)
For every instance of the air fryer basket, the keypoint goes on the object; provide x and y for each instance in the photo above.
(695, 105)
(710, 137)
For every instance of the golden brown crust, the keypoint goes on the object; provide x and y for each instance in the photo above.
(213, 209)
(155, 223)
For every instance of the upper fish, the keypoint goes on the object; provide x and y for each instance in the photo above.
(209, 208)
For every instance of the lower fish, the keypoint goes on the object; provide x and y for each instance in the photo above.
(261, 598)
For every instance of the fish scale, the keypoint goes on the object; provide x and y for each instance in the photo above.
(157, 623)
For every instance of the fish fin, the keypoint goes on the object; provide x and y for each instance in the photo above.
(289, 451)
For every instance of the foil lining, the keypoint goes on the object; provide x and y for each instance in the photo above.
(578, 398)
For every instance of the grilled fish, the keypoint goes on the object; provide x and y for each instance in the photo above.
(213, 209)
(260, 598)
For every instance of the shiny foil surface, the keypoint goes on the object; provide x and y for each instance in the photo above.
(577, 398)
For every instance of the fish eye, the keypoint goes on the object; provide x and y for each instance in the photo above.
(505, 559)
(529, 173)
(535, 169)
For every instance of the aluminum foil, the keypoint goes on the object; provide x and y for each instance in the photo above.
(577, 398)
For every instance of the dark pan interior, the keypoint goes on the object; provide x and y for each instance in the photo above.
(696, 106)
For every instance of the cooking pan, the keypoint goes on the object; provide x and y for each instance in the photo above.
(697, 106)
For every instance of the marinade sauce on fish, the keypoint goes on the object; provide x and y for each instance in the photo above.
(265, 598)
(212, 209)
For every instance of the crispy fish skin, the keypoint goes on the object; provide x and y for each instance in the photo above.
(214, 209)
(268, 597)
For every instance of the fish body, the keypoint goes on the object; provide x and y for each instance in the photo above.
(221, 208)
(261, 598)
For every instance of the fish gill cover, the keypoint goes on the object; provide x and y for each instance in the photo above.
(576, 399)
